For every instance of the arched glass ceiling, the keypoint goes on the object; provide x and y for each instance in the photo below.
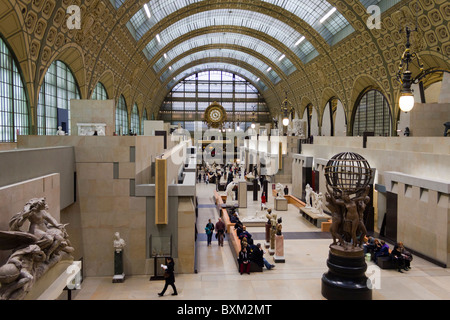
(117, 3)
(239, 18)
(383, 4)
(225, 53)
(219, 66)
(312, 12)
(249, 42)
(309, 11)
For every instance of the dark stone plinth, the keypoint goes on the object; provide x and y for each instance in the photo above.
(346, 278)
(118, 262)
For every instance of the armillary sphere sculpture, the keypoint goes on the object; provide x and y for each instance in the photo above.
(348, 176)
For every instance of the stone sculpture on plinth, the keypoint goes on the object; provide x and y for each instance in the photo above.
(268, 227)
(119, 245)
(273, 232)
(308, 191)
(34, 252)
(279, 243)
(348, 176)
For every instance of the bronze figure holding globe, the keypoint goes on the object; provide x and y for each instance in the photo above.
(348, 176)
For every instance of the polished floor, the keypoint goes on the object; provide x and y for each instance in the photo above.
(299, 278)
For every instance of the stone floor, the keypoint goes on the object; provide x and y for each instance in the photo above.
(299, 278)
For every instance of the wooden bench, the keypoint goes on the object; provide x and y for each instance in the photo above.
(326, 225)
(235, 245)
(223, 213)
(231, 234)
(385, 262)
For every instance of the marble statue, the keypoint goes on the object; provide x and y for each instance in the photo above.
(60, 132)
(119, 243)
(280, 190)
(100, 130)
(230, 192)
(33, 252)
(297, 128)
(16, 276)
(308, 191)
(318, 203)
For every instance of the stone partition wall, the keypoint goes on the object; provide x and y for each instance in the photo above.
(92, 111)
(106, 203)
(423, 210)
(301, 165)
(388, 156)
(426, 167)
(7, 146)
(319, 166)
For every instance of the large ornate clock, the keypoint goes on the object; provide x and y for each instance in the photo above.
(215, 115)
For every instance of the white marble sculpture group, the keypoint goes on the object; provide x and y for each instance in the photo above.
(314, 201)
(33, 252)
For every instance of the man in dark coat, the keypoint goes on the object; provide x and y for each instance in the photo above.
(258, 257)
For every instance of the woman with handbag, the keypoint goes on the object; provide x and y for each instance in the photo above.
(169, 276)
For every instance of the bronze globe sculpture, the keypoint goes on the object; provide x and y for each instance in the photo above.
(348, 176)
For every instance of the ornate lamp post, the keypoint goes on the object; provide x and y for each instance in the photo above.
(287, 108)
(405, 76)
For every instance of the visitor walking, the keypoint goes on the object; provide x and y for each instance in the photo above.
(169, 276)
(209, 231)
(220, 232)
(263, 201)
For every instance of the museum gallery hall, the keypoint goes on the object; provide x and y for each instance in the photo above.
(314, 133)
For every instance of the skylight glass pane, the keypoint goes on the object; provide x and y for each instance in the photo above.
(311, 12)
(117, 3)
(219, 66)
(249, 42)
(140, 23)
(226, 53)
(383, 4)
(240, 18)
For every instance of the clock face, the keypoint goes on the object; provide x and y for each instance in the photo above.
(215, 115)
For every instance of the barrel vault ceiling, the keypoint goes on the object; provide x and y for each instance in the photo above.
(141, 48)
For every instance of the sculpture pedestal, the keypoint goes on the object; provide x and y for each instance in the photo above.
(279, 249)
(267, 242)
(346, 278)
(119, 275)
(242, 198)
(281, 204)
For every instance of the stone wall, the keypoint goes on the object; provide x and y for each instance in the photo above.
(106, 169)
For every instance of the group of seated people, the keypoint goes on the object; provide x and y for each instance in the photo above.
(399, 255)
(249, 251)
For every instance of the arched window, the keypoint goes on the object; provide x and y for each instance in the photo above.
(58, 89)
(135, 119)
(121, 117)
(186, 103)
(144, 118)
(99, 92)
(14, 115)
(372, 114)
